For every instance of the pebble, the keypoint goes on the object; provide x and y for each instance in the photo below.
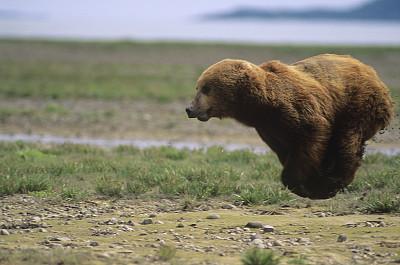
(180, 225)
(303, 240)
(268, 228)
(147, 221)
(42, 230)
(131, 223)
(152, 215)
(4, 232)
(228, 206)
(113, 221)
(341, 238)
(254, 225)
(213, 216)
(60, 239)
(258, 243)
(277, 243)
(125, 228)
(36, 219)
(93, 243)
(254, 236)
(158, 222)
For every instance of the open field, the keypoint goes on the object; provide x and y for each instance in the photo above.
(87, 203)
(139, 70)
(138, 90)
(76, 204)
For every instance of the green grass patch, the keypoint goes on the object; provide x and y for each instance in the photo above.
(257, 256)
(382, 202)
(78, 171)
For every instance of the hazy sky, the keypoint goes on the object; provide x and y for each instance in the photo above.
(152, 9)
(178, 20)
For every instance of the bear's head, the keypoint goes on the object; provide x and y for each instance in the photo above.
(218, 88)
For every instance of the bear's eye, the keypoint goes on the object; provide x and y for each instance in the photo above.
(205, 89)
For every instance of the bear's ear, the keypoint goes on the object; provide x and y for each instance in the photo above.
(271, 66)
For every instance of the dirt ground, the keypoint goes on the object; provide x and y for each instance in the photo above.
(211, 232)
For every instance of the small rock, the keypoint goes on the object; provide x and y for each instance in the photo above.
(213, 216)
(341, 238)
(147, 221)
(180, 225)
(254, 236)
(125, 228)
(152, 215)
(55, 245)
(60, 239)
(42, 230)
(254, 225)
(381, 224)
(93, 243)
(104, 255)
(4, 232)
(303, 240)
(131, 223)
(228, 206)
(36, 219)
(158, 222)
(277, 243)
(268, 228)
(258, 243)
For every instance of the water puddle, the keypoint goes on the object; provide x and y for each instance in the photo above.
(191, 145)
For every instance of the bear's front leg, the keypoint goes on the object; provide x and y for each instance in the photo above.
(275, 143)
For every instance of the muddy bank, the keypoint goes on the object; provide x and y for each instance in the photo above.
(148, 143)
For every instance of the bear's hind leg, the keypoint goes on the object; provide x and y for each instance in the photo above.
(343, 158)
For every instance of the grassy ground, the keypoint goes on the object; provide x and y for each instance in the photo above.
(78, 172)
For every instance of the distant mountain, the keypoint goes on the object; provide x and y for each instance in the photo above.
(388, 10)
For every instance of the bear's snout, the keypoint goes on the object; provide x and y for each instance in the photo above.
(190, 112)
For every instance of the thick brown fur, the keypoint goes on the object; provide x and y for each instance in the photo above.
(316, 114)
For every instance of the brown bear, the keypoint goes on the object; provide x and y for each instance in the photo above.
(315, 114)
